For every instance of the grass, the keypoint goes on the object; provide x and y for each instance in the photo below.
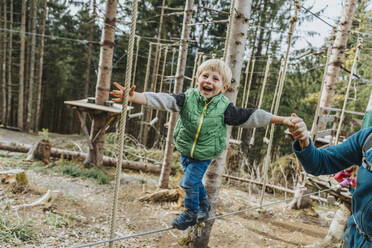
(11, 231)
(58, 221)
(73, 169)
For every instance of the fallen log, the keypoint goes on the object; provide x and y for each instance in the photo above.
(65, 154)
(291, 191)
(46, 200)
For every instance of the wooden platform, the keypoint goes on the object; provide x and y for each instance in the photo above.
(84, 105)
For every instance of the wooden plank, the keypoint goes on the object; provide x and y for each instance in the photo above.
(115, 109)
(323, 133)
(327, 118)
(339, 110)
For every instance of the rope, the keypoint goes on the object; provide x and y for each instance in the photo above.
(136, 59)
(244, 91)
(353, 69)
(128, 77)
(228, 29)
(267, 159)
(209, 219)
(245, 101)
(197, 57)
(174, 50)
(147, 75)
(268, 63)
(275, 94)
(162, 73)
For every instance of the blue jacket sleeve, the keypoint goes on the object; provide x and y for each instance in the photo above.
(334, 158)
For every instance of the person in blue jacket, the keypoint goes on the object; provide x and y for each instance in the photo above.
(315, 161)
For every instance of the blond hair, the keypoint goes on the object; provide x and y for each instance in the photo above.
(216, 65)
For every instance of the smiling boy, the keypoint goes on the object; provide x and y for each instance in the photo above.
(200, 132)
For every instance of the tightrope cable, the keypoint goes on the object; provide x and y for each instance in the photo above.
(212, 218)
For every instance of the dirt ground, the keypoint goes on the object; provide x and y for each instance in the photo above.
(87, 206)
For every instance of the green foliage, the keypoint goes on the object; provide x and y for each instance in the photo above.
(59, 221)
(10, 231)
(73, 169)
(44, 134)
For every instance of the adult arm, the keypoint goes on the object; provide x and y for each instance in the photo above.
(334, 158)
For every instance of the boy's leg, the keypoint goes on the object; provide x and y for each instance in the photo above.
(192, 183)
(192, 177)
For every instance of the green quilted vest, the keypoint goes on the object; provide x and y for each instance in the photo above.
(200, 132)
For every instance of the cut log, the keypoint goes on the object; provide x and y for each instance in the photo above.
(165, 195)
(16, 178)
(65, 154)
(299, 201)
(41, 150)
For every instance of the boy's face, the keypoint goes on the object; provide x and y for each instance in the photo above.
(210, 84)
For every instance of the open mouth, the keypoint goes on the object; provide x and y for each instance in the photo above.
(207, 89)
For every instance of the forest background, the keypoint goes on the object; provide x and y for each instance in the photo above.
(71, 58)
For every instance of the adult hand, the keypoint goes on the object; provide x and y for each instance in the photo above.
(119, 93)
(299, 130)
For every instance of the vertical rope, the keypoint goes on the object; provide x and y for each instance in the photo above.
(162, 73)
(353, 69)
(196, 65)
(147, 75)
(244, 91)
(128, 77)
(228, 29)
(275, 94)
(277, 103)
(136, 59)
(268, 63)
(174, 50)
(245, 101)
(194, 69)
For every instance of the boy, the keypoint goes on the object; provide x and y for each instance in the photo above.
(200, 132)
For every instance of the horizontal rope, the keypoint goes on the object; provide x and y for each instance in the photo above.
(212, 218)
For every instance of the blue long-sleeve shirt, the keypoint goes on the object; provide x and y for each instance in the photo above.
(335, 158)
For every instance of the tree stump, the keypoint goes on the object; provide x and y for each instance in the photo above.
(17, 179)
(43, 151)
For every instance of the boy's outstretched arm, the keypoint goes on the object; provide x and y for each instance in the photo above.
(134, 96)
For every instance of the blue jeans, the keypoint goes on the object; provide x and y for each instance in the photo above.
(193, 172)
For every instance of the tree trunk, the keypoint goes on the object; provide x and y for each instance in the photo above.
(32, 69)
(234, 58)
(40, 76)
(89, 57)
(21, 85)
(180, 74)
(9, 96)
(95, 155)
(337, 55)
(3, 88)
